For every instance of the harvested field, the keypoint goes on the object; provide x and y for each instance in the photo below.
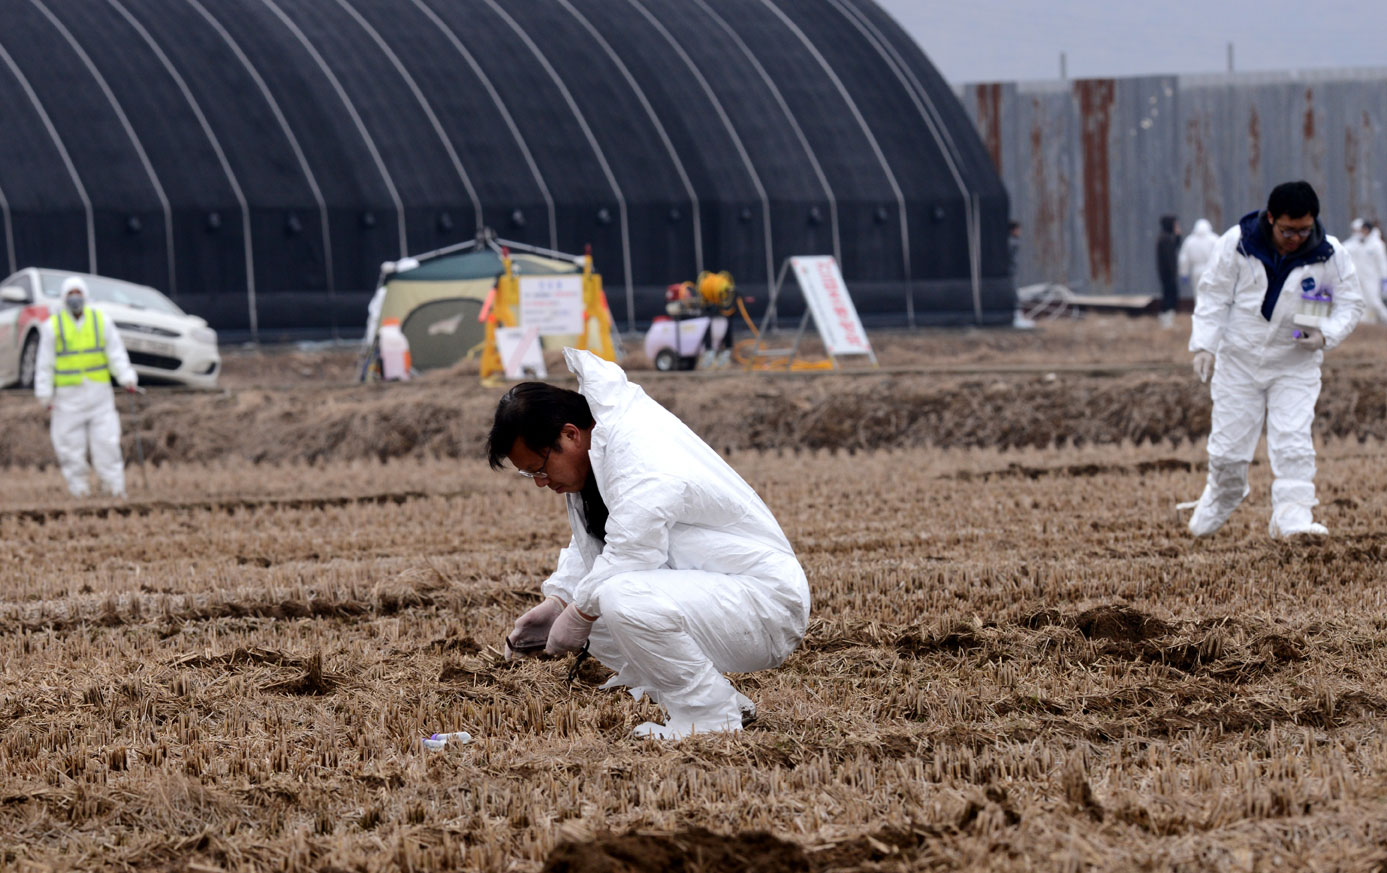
(1001, 389)
(1018, 660)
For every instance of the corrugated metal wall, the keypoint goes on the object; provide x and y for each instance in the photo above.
(1092, 164)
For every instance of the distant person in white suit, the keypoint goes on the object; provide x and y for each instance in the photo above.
(1195, 253)
(1369, 255)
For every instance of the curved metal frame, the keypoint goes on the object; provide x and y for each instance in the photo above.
(424, 104)
(871, 139)
(500, 104)
(596, 148)
(130, 132)
(221, 158)
(62, 152)
(929, 113)
(731, 131)
(659, 128)
(288, 133)
(355, 116)
(790, 117)
(9, 230)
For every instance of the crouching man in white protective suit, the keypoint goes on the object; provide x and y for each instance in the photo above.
(79, 351)
(676, 572)
(1265, 367)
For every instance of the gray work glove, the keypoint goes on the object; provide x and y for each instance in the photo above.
(1203, 364)
(570, 631)
(1310, 338)
(531, 630)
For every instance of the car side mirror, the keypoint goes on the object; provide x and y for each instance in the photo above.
(14, 294)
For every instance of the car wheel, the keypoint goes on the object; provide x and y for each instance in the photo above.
(29, 361)
(666, 360)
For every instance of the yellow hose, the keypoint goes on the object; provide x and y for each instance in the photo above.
(741, 352)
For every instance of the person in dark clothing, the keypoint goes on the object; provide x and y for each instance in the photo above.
(1013, 247)
(1167, 267)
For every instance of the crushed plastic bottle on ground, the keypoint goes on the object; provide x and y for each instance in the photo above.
(439, 741)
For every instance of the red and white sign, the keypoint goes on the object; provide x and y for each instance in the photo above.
(827, 297)
(522, 356)
(553, 305)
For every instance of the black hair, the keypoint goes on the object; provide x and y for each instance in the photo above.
(534, 412)
(1013, 225)
(1293, 200)
(1168, 223)
(1368, 226)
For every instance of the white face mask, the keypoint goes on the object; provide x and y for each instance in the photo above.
(75, 304)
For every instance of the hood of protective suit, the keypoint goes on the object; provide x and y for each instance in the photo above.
(604, 384)
(1202, 227)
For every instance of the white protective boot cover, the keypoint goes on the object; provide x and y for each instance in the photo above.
(105, 449)
(1224, 489)
(1291, 503)
(68, 430)
(1291, 402)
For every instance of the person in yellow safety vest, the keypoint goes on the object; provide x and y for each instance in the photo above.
(79, 351)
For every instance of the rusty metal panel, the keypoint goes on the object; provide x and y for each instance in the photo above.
(1091, 165)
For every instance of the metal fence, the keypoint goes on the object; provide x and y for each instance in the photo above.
(1092, 164)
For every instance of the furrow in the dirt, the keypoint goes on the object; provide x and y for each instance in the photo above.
(141, 509)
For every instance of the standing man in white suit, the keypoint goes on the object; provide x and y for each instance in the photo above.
(1264, 367)
(676, 571)
(79, 351)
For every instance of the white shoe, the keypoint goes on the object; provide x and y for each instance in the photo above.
(1211, 512)
(1168, 319)
(674, 731)
(1293, 521)
(1313, 529)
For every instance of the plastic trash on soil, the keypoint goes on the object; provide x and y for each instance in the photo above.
(440, 741)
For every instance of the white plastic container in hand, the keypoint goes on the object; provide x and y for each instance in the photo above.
(395, 360)
(1314, 307)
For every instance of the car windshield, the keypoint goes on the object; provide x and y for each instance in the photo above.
(103, 290)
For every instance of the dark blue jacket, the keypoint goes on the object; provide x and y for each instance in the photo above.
(1257, 242)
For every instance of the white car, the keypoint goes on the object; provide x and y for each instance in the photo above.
(165, 344)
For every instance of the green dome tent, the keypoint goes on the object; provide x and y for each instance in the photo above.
(439, 302)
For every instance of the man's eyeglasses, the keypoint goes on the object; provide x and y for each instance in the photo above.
(1294, 233)
(537, 474)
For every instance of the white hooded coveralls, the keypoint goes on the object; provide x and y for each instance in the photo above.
(1370, 260)
(1261, 374)
(1195, 253)
(695, 578)
(85, 413)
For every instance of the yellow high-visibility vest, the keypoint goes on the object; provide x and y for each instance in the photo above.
(79, 352)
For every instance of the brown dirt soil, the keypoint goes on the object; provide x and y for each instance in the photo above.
(290, 406)
(1018, 659)
(685, 852)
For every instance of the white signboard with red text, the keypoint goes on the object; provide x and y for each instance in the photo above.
(826, 295)
(553, 305)
(521, 354)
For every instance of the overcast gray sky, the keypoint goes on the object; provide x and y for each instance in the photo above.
(1004, 40)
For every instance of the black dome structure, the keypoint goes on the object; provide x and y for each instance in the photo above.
(258, 159)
